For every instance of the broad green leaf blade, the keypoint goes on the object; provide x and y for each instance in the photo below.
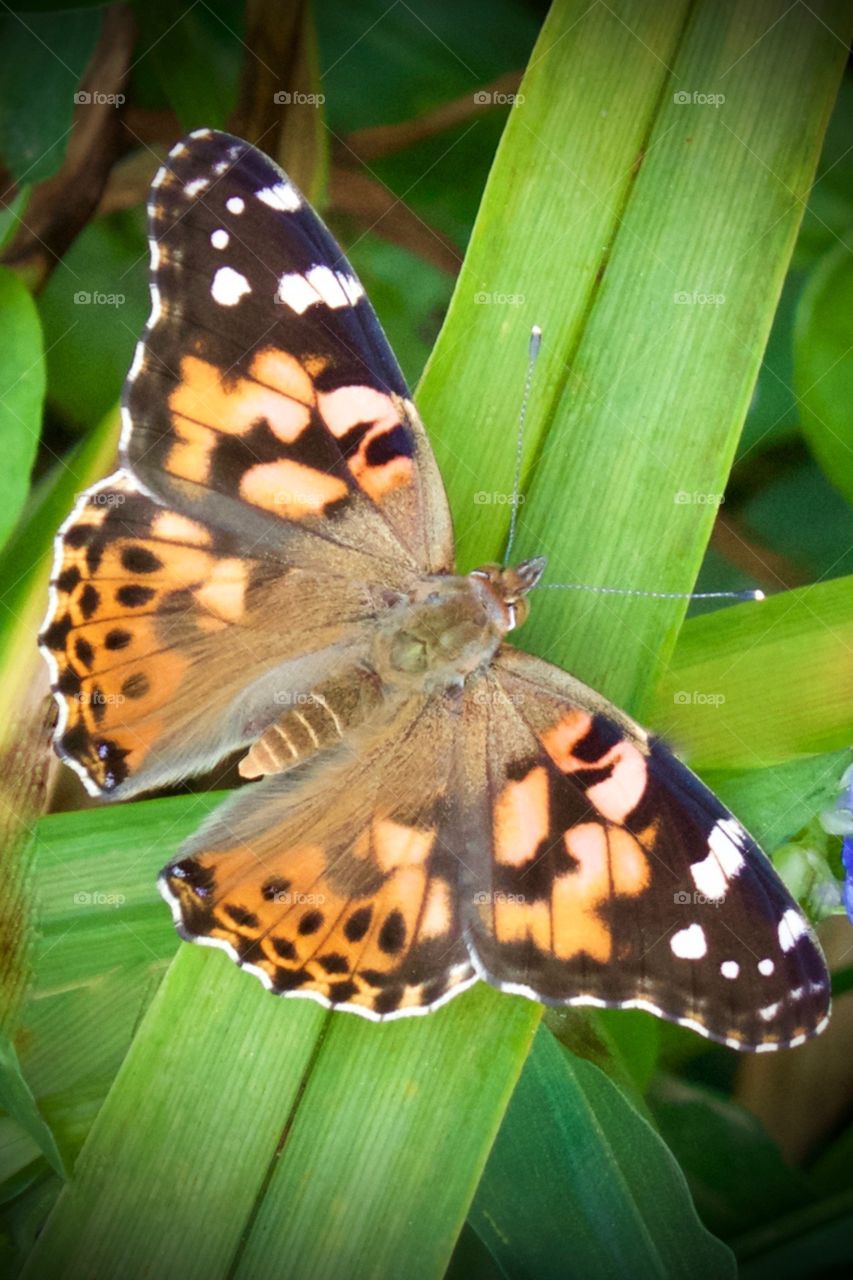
(738, 1176)
(17, 1100)
(401, 1204)
(824, 366)
(672, 347)
(44, 56)
(87, 1236)
(776, 803)
(22, 380)
(578, 1184)
(476, 1047)
(760, 684)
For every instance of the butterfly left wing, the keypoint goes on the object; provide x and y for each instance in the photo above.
(606, 873)
(337, 880)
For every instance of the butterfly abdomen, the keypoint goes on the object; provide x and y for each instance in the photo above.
(314, 721)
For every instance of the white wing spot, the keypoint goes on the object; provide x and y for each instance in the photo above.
(766, 967)
(235, 204)
(689, 943)
(320, 284)
(282, 196)
(196, 187)
(769, 1011)
(219, 238)
(792, 926)
(730, 969)
(228, 287)
(725, 859)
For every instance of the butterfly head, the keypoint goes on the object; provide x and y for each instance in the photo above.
(512, 584)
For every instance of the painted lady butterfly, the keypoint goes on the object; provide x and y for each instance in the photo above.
(272, 569)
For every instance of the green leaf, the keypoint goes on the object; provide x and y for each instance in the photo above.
(737, 1175)
(195, 56)
(17, 1099)
(824, 366)
(578, 1184)
(95, 302)
(760, 684)
(775, 803)
(44, 56)
(21, 395)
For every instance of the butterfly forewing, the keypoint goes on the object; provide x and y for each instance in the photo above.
(264, 393)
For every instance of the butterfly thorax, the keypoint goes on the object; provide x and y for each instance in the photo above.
(450, 626)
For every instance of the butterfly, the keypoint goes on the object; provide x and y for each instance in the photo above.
(271, 572)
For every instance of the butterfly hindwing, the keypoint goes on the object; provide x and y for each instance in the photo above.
(615, 877)
(169, 647)
(339, 883)
(264, 394)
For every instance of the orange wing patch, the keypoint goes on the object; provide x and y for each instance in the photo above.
(366, 442)
(579, 743)
(370, 928)
(131, 576)
(382, 460)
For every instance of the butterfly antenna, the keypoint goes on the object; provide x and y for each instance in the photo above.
(748, 594)
(532, 354)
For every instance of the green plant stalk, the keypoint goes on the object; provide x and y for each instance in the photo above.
(248, 1137)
